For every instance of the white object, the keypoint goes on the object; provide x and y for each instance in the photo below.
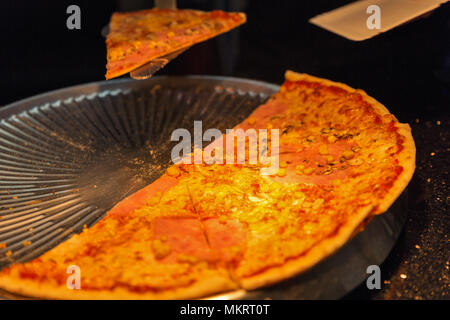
(365, 19)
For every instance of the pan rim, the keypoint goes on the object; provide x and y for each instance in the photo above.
(121, 84)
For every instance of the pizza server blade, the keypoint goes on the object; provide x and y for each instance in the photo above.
(150, 68)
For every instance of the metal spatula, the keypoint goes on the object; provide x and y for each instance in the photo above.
(352, 21)
(149, 69)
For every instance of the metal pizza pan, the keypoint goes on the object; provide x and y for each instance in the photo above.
(67, 156)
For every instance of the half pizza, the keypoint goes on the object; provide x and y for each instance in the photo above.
(208, 228)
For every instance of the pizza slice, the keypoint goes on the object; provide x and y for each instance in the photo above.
(135, 38)
(151, 245)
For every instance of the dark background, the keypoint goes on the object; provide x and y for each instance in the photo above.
(407, 69)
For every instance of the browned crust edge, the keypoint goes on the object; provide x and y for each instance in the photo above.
(30, 288)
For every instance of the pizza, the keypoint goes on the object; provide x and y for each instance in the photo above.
(202, 229)
(136, 38)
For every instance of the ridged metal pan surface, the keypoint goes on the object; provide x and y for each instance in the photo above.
(67, 156)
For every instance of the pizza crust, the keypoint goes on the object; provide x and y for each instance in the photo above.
(30, 288)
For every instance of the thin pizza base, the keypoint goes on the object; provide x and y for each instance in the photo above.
(29, 288)
(213, 283)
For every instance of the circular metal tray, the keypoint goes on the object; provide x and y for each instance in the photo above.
(67, 156)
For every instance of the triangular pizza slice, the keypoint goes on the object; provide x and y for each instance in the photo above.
(136, 38)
